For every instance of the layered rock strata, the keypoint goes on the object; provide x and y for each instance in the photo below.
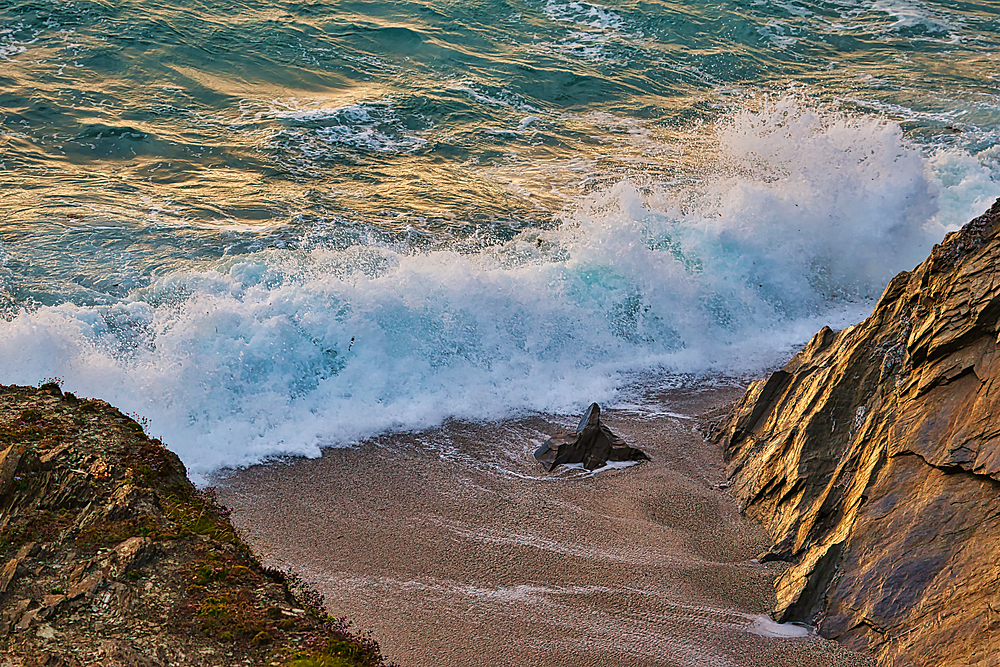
(109, 556)
(873, 458)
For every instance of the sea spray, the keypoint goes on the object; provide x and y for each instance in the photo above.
(802, 217)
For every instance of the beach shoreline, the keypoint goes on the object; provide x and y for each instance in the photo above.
(453, 547)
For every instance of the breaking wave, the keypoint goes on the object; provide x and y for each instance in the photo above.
(800, 220)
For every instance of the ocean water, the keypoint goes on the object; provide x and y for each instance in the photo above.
(270, 227)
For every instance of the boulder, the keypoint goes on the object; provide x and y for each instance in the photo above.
(592, 444)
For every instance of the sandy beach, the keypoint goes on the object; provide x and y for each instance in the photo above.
(455, 549)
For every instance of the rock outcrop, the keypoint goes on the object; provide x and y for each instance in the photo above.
(109, 556)
(592, 444)
(873, 458)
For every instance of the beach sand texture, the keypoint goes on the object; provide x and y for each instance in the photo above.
(456, 550)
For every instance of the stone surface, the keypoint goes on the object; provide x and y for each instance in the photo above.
(109, 556)
(592, 444)
(8, 573)
(10, 457)
(873, 458)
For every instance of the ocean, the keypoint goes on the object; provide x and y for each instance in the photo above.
(272, 227)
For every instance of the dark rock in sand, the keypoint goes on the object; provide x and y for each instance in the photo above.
(592, 444)
(873, 458)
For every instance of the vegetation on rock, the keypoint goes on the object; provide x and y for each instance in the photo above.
(110, 556)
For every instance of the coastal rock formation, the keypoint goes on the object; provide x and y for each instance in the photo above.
(873, 458)
(592, 444)
(109, 556)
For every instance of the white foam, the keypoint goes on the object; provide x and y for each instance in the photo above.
(610, 465)
(765, 626)
(584, 14)
(913, 13)
(908, 19)
(799, 223)
(592, 28)
(357, 113)
(774, 31)
(8, 49)
(793, 8)
(12, 44)
(501, 98)
(372, 127)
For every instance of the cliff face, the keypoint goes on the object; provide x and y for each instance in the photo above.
(873, 458)
(109, 556)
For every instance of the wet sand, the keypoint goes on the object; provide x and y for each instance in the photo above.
(456, 550)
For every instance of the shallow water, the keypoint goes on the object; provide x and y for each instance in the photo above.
(275, 226)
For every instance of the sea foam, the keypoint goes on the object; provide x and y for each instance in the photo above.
(797, 220)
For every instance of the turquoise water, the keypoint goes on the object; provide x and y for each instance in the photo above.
(273, 226)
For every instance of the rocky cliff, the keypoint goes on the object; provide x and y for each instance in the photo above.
(109, 556)
(873, 458)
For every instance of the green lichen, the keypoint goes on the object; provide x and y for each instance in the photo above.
(224, 592)
(220, 568)
(229, 616)
(198, 514)
(34, 525)
(31, 416)
(104, 534)
(335, 652)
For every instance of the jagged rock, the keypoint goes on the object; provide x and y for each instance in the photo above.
(9, 460)
(87, 586)
(873, 458)
(8, 573)
(27, 618)
(51, 605)
(128, 556)
(592, 444)
(110, 556)
(27, 550)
